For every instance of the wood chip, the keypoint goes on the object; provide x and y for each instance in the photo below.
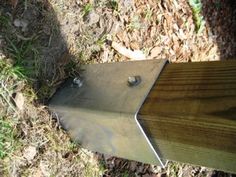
(155, 52)
(134, 45)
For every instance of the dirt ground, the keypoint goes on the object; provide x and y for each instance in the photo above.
(49, 39)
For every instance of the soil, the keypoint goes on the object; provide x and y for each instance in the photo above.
(66, 34)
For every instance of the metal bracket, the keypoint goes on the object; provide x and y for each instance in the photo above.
(101, 113)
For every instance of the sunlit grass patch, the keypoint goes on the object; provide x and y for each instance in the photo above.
(196, 7)
(7, 71)
(87, 8)
(10, 77)
(6, 137)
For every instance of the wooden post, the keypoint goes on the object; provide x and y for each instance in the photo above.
(190, 114)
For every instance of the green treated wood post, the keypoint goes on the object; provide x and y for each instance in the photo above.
(190, 114)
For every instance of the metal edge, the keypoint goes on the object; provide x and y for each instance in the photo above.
(163, 164)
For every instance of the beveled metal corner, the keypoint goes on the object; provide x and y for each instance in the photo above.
(101, 113)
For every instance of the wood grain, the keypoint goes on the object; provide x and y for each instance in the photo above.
(190, 114)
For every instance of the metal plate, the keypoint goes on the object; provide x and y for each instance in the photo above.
(101, 114)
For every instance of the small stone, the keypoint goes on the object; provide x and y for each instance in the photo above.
(19, 101)
(78, 82)
(21, 23)
(30, 153)
(17, 23)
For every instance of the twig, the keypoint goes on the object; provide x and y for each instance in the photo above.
(134, 55)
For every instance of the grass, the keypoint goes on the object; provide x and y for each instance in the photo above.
(21, 62)
(20, 51)
(113, 4)
(6, 137)
(15, 70)
(125, 174)
(10, 76)
(148, 13)
(24, 55)
(87, 8)
(173, 169)
(101, 40)
(196, 7)
(134, 24)
(4, 20)
(7, 70)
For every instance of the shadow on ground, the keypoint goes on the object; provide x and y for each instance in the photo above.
(30, 38)
(220, 17)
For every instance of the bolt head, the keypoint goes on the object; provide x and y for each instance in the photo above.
(134, 80)
(78, 82)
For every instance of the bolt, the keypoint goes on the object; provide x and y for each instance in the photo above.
(78, 82)
(134, 80)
